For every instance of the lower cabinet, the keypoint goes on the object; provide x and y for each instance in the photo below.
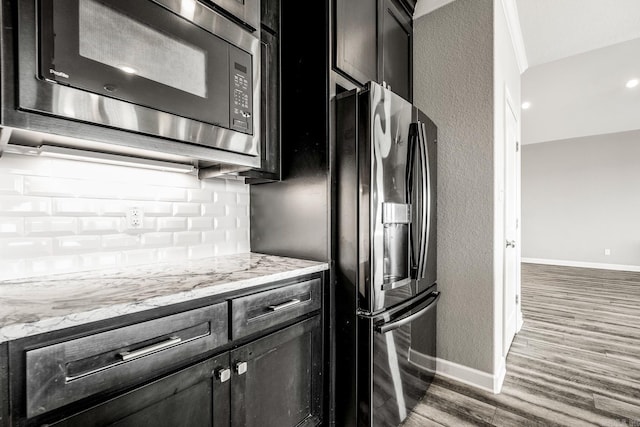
(182, 370)
(277, 378)
(195, 396)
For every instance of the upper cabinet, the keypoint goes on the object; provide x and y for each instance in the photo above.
(270, 96)
(374, 41)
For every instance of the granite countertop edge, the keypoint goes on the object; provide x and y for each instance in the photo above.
(13, 329)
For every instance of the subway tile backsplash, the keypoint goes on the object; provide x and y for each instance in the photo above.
(63, 216)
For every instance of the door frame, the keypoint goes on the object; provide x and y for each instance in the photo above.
(511, 154)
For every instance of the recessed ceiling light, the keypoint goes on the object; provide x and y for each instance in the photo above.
(632, 83)
(526, 105)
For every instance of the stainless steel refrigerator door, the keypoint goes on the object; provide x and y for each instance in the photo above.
(385, 209)
(394, 385)
(424, 214)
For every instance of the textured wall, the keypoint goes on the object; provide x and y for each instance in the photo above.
(453, 84)
(62, 216)
(580, 196)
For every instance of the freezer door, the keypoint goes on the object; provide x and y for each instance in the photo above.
(392, 385)
(385, 208)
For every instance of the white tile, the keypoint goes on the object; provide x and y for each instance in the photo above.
(22, 247)
(106, 225)
(200, 224)
(27, 206)
(50, 226)
(236, 186)
(120, 241)
(214, 184)
(186, 238)
(242, 199)
(75, 244)
(235, 210)
(242, 222)
(157, 239)
(114, 208)
(224, 198)
(76, 207)
(170, 194)
(225, 248)
(211, 237)
(201, 251)
(12, 269)
(172, 224)
(172, 254)
(156, 208)
(100, 260)
(52, 187)
(202, 196)
(148, 225)
(224, 223)
(140, 256)
(11, 227)
(186, 209)
(11, 184)
(212, 209)
(244, 242)
(52, 265)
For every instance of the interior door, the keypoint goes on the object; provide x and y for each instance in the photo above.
(511, 298)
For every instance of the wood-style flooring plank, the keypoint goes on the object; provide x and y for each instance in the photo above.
(575, 362)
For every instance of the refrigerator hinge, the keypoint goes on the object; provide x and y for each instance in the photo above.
(517, 299)
(517, 146)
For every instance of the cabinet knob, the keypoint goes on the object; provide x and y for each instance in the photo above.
(241, 368)
(223, 374)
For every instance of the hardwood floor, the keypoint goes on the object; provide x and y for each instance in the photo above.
(576, 361)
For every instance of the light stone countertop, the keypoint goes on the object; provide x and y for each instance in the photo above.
(42, 304)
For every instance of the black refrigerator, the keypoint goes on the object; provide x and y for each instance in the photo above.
(385, 256)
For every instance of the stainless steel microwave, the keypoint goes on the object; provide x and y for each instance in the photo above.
(174, 79)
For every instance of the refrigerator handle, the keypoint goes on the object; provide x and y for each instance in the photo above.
(425, 223)
(409, 317)
(413, 136)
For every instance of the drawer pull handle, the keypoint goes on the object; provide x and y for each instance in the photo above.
(126, 355)
(284, 305)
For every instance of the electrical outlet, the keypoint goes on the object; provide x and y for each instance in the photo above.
(134, 218)
(607, 251)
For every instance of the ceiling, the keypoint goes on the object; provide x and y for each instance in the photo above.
(580, 54)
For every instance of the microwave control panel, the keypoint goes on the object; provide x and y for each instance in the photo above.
(241, 96)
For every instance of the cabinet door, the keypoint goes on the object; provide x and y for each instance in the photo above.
(356, 39)
(277, 378)
(195, 396)
(396, 48)
(269, 98)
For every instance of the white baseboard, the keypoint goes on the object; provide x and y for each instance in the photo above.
(461, 373)
(600, 266)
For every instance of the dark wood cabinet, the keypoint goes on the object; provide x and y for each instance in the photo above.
(185, 369)
(356, 35)
(278, 378)
(396, 48)
(269, 96)
(195, 396)
(374, 41)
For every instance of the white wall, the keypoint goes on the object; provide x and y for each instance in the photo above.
(453, 85)
(64, 216)
(580, 196)
(464, 64)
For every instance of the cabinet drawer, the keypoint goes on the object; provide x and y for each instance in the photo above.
(62, 373)
(266, 309)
